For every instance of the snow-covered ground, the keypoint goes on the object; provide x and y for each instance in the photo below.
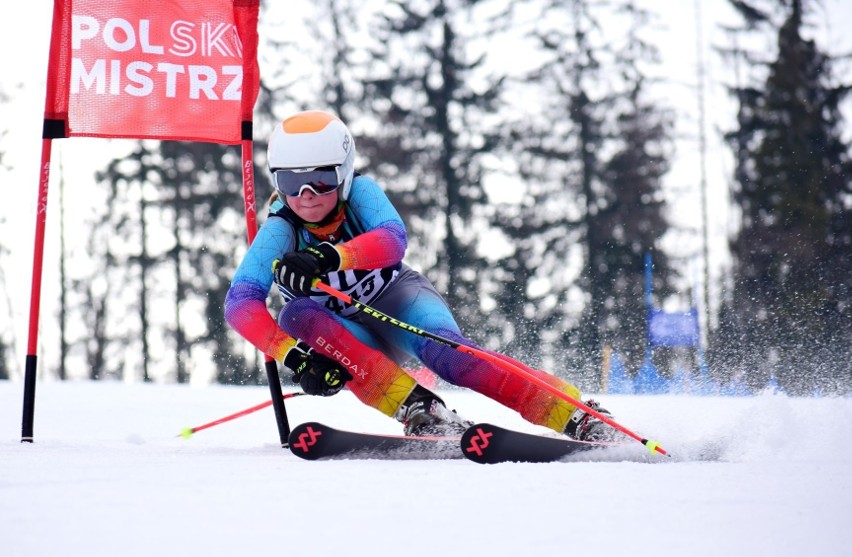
(108, 476)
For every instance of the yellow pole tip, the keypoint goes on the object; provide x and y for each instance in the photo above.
(652, 446)
(186, 433)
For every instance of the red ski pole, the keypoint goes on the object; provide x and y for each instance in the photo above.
(652, 446)
(187, 432)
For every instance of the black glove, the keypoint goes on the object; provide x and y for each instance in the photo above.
(298, 269)
(317, 374)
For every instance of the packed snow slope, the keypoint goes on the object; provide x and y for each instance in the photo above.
(108, 475)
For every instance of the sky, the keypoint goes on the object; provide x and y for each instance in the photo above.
(107, 475)
(25, 28)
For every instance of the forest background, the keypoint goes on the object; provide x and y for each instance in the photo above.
(537, 150)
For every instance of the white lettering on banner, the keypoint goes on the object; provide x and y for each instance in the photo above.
(214, 39)
(82, 28)
(201, 79)
(143, 39)
(184, 42)
(121, 35)
(235, 86)
(110, 35)
(118, 34)
(114, 77)
(137, 72)
(171, 71)
(141, 78)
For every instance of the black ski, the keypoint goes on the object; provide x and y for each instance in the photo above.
(490, 444)
(314, 441)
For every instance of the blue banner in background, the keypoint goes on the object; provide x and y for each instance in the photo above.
(673, 329)
(619, 381)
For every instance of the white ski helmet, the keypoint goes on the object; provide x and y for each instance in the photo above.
(313, 139)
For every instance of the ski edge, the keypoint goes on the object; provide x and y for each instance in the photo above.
(483, 443)
(319, 441)
(487, 443)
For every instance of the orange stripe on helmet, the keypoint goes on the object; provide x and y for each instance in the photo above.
(307, 122)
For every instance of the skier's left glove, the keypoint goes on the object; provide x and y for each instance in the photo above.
(317, 374)
(298, 269)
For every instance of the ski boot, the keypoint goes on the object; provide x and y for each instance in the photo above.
(423, 413)
(583, 426)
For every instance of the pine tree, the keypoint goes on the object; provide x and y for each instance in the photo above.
(195, 190)
(555, 142)
(631, 220)
(591, 159)
(4, 370)
(201, 185)
(434, 127)
(630, 225)
(793, 252)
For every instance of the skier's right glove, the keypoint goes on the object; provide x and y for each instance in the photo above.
(297, 270)
(317, 374)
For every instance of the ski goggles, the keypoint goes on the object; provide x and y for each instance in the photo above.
(322, 180)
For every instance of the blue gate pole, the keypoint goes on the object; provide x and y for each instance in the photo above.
(648, 302)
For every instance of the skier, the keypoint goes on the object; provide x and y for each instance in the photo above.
(326, 221)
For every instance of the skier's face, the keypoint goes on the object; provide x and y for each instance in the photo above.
(311, 207)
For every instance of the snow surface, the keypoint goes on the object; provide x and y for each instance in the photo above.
(107, 475)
